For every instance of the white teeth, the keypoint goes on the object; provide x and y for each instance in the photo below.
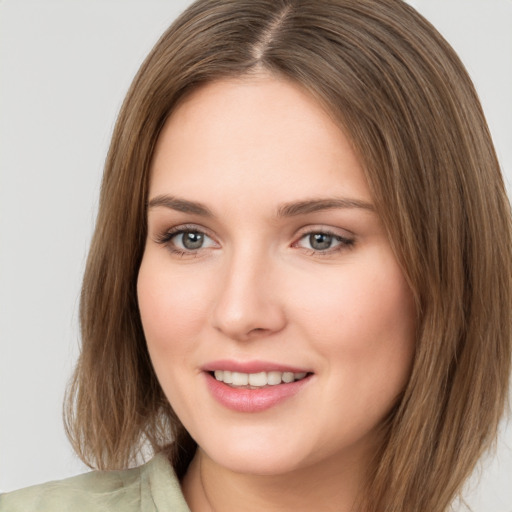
(259, 379)
(287, 377)
(240, 379)
(274, 378)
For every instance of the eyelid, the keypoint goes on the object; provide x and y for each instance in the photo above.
(165, 236)
(328, 230)
(346, 242)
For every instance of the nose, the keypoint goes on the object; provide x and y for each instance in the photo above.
(248, 303)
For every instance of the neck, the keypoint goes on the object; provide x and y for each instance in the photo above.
(331, 485)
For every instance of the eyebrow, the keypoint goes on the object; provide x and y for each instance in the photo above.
(316, 205)
(291, 209)
(180, 205)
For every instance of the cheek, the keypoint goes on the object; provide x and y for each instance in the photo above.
(172, 306)
(363, 323)
(172, 309)
(361, 301)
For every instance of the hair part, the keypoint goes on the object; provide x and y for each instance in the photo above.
(402, 96)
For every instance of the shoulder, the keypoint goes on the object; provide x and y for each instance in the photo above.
(148, 488)
(91, 491)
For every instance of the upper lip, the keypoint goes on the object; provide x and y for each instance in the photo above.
(254, 366)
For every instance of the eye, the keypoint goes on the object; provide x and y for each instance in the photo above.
(190, 240)
(183, 240)
(322, 241)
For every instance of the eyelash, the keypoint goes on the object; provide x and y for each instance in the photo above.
(166, 237)
(344, 242)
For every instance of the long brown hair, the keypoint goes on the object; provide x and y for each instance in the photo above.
(403, 97)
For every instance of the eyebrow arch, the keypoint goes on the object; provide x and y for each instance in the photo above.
(180, 205)
(316, 205)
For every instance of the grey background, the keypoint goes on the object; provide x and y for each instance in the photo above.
(65, 66)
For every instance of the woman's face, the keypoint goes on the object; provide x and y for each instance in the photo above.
(267, 267)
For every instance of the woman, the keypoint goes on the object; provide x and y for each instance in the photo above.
(298, 292)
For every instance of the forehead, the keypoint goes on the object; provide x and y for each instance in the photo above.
(256, 136)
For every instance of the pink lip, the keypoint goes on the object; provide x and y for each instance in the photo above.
(250, 367)
(252, 400)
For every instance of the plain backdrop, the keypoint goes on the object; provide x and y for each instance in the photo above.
(64, 69)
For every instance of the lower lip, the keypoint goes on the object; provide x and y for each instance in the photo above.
(253, 400)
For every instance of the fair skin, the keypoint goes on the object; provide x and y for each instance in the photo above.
(265, 254)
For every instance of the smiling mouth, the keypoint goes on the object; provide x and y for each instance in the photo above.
(254, 390)
(258, 380)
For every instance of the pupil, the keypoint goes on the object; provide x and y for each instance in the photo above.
(192, 240)
(320, 241)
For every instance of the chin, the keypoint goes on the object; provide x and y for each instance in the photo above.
(268, 464)
(246, 454)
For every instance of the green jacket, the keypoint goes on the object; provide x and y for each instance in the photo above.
(149, 488)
